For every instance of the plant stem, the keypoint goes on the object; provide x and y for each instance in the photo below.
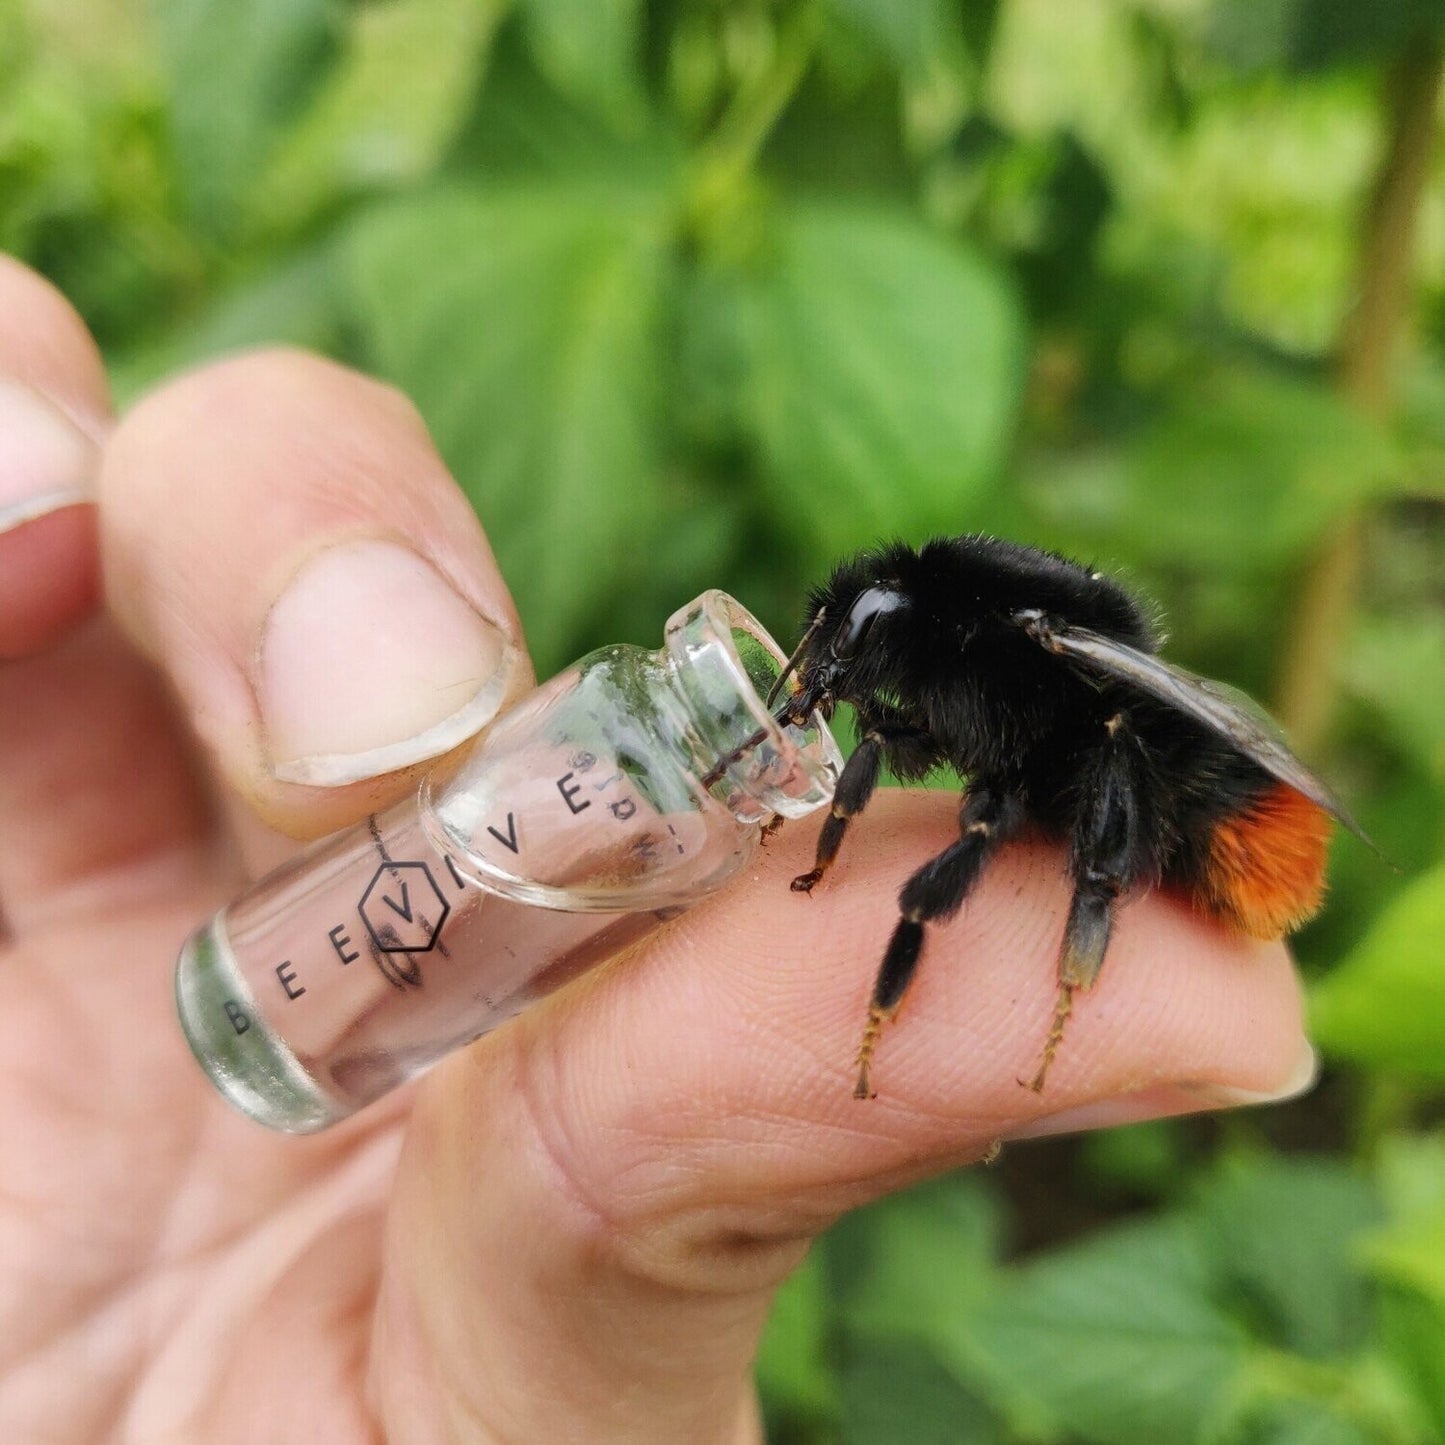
(1363, 376)
(730, 153)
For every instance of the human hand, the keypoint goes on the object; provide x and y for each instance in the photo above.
(569, 1231)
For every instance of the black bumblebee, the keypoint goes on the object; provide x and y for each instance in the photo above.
(1037, 679)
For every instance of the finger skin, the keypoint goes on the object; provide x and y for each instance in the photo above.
(80, 799)
(657, 1146)
(91, 815)
(218, 490)
(46, 345)
(49, 580)
(48, 565)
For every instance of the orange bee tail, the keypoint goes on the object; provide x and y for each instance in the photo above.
(1266, 867)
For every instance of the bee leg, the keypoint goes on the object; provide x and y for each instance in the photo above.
(1086, 938)
(935, 891)
(855, 786)
(1108, 856)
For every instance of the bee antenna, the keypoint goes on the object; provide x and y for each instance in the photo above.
(792, 664)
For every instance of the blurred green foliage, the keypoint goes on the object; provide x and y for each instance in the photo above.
(699, 293)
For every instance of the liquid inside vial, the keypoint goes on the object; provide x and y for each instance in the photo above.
(589, 813)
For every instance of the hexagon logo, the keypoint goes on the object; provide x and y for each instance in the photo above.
(403, 908)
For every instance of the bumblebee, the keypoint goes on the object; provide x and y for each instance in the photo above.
(1039, 681)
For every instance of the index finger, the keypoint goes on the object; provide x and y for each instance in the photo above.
(751, 1009)
(658, 1143)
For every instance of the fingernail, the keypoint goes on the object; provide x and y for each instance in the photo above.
(1102, 1114)
(1166, 1100)
(46, 461)
(1300, 1080)
(369, 661)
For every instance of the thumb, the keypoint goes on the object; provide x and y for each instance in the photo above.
(280, 536)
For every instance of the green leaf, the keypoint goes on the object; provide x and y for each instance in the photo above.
(1385, 1004)
(979, 19)
(290, 303)
(396, 98)
(885, 370)
(842, 139)
(525, 126)
(1412, 1331)
(235, 74)
(703, 527)
(917, 1266)
(1309, 35)
(589, 50)
(793, 1371)
(1397, 664)
(909, 1275)
(1302, 1422)
(1413, 1255)
(1410, 1250)
(1284, 1232)
(524, 323)
(894, 1389)
(1245, 471)
(1411, 1173)
(915, 34)
(1119, 1339)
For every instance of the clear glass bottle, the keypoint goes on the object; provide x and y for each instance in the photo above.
(599, 806)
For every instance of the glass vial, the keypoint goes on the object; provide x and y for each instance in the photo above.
(602, 804)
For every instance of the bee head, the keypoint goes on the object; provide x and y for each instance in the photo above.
(835, 642)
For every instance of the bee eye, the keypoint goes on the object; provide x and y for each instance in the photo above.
(865, 610)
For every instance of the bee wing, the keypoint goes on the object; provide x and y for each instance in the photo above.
(1236, 718)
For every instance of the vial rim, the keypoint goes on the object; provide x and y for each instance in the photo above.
(819, 761)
